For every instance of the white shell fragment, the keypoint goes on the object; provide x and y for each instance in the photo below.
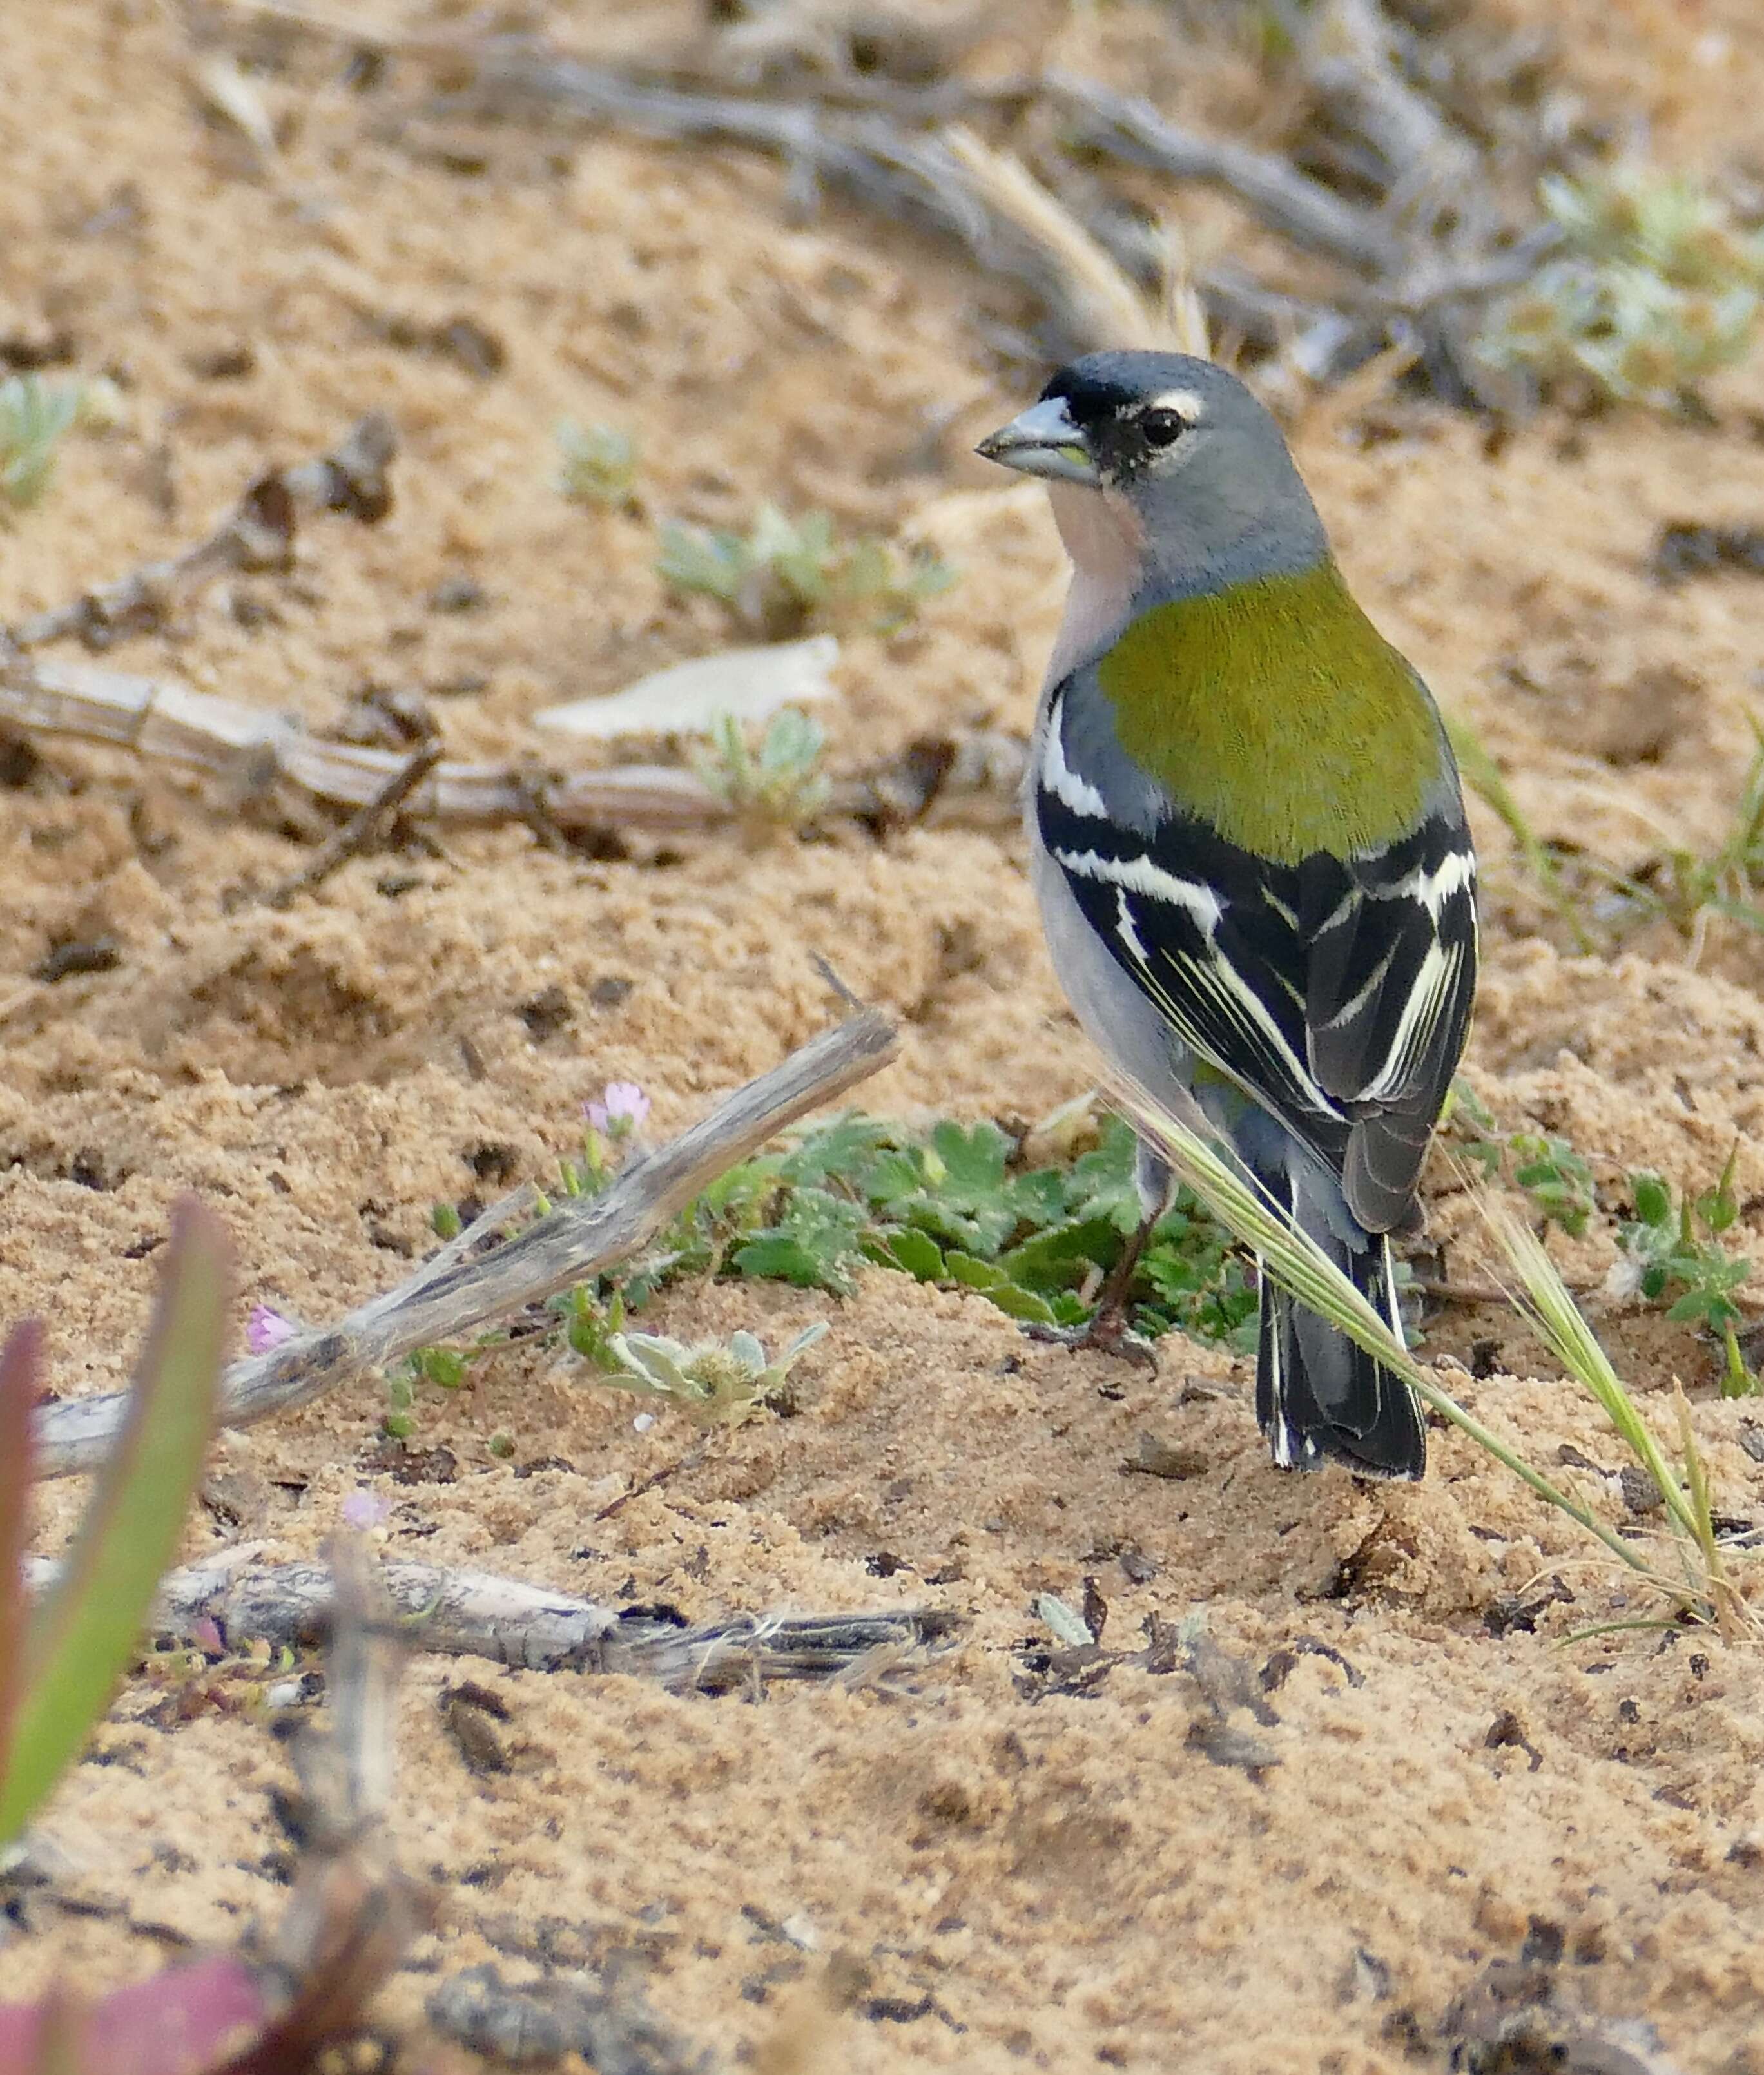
(685, 699)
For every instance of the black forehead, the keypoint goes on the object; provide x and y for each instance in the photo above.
(1102, 385)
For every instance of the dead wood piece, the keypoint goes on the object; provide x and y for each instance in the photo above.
(1512, 2018)
(535, 2022)
(353, 1913)
(362, 830)
(472, 1613)
(913, 176)
(258, 533)
(970, 779)
(252, 749)
(1277, 194)
(452, 1294)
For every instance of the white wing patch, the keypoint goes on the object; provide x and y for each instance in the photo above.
(1058, 777)
(1434, 987)
(1214, 977)
(1430, 890)
(1139, 875)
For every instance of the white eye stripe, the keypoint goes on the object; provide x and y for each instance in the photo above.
(1186, 402)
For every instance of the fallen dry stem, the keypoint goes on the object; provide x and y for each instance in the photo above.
(258, 533)
(362, 829)
(472, 1613)
(253, 749)
(1275, 192)
(973, 779)
(353, 1913)
(452, 1294)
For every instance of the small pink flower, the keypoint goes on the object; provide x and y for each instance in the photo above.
(364, 1510)
(621, 1110)
(267, 1329)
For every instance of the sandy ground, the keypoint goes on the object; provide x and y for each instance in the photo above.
(1025, 1875)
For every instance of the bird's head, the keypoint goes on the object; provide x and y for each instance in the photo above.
(1169, 459)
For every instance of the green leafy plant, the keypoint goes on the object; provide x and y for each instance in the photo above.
(1656, 288)
(782, 782)
(1557, 1181)
(35, 416)
(784, 573)
(1675, 1256)
(950, 1204)
(956, 1205)
(596, 464)
(716, 1383)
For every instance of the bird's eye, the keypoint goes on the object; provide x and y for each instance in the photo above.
(1162, 429)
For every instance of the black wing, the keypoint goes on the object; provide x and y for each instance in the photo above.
(1336, 994)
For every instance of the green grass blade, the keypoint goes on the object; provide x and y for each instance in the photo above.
(82, 1634)
(1298, 1264)
(1562, 1328)
(19, 1364)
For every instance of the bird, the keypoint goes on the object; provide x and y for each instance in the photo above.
(1248, 846)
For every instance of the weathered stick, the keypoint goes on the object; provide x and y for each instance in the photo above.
(451, 1295)
(362, 830)
(253, 748)
(258, 533)
(474, 1614)
(971, 778)
(1277, 194)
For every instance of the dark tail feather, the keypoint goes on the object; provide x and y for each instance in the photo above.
(1319, 1397)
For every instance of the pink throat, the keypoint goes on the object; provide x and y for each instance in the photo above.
(1106, 542)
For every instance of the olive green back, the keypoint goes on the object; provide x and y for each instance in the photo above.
(1275, 711)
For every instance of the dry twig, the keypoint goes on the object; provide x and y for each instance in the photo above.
(353, 1912)
(472, 1614)
(362, 828)
(258, 533)
(969, 779)
(456, 1292)
(253, 749)
(1277, 193)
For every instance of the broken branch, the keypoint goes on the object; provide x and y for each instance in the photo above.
(451, 1295)
(472, 1613)
(258, 533)
(1277, 194)
(252, 748)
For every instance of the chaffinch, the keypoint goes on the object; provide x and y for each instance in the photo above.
(1249, 847)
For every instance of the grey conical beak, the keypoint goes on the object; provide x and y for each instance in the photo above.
(1043, 441)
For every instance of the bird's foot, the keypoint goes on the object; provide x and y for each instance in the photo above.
(1107, 1333)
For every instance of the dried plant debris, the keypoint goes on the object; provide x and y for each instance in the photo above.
(257, 534)
(1401, 178)
(460, 1287)
(1514, 2020)
(474, 1613)
(531, 2024)
(348, 1921)
(1687, 548)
